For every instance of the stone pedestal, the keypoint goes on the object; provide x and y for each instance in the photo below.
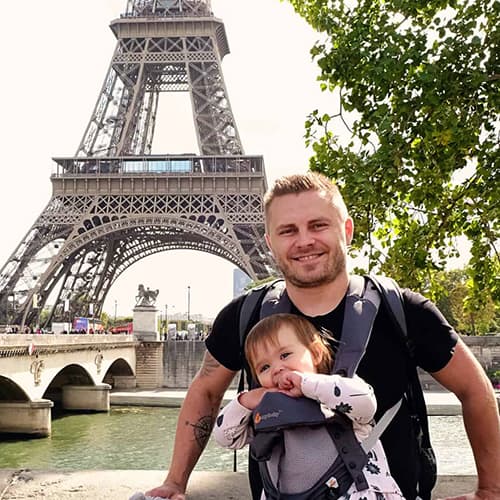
(146, 323)
(86, 397)
(27, 417)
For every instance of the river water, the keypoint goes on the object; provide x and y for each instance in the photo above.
(142, 438)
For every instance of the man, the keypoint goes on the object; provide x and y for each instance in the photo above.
(308, 230)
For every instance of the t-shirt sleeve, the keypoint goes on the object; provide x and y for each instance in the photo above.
(432, 335)
(223, 343)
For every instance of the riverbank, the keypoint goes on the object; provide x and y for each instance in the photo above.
(121, 484)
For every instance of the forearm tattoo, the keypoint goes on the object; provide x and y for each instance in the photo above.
(202, 430)
(203, 427)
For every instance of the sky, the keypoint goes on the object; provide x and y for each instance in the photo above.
(55, 56)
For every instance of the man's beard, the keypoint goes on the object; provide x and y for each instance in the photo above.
(329, 273)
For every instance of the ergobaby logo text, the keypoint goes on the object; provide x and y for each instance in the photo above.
(266, 416)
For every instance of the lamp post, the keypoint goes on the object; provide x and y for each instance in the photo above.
(189, 302)
(91, 312)
(11, 314)
(165, 327)
(116, 305)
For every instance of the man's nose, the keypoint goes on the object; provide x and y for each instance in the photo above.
(304, 238)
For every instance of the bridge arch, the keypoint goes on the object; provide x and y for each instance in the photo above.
(72, 374)
(10, 391)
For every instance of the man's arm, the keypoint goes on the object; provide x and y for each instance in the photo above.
(464, 376)
(196, 419)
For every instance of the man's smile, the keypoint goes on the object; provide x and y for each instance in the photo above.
(309, 257)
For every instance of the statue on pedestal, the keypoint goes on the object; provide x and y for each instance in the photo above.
(145, 296)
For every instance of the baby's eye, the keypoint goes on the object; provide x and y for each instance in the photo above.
(285, 355)
(263, 368)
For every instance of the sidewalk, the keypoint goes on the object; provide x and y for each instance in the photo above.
(121, 484)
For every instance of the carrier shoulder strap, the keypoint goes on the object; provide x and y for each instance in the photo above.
(254, 298)
(393, 299)
(391, 295)
(361, 306)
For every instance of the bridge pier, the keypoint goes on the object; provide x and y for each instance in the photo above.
(86, 397)
(26, 417)
(124, 382)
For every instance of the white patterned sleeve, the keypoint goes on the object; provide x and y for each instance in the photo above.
(351, 396)
(232, 427)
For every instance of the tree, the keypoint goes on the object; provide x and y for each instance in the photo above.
(418, 88)
(451, 290)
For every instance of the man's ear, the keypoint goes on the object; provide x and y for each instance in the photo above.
(349, 230)
(268, 242)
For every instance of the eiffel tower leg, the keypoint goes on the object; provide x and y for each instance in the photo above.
(215, 125)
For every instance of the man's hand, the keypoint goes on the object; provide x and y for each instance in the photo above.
(478, 495)
(167, 490)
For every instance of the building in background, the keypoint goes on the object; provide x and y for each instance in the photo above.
(240, 281)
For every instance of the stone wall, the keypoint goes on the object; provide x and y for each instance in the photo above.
(486, 349)
(149, 363)
(182, 359)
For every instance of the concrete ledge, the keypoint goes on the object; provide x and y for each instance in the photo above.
(120, 484)
(438, 403)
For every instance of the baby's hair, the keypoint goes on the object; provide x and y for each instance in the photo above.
(266, 332)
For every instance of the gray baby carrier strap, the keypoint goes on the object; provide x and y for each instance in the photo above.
(362, 303)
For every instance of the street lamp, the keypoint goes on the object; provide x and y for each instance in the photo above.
(165, 328)
(116, 305)
(189, 301)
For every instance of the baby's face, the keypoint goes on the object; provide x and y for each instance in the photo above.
(288, 353)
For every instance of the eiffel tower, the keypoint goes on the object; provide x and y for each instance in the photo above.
(115, 202)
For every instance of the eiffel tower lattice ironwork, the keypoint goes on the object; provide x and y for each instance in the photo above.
(114, 202)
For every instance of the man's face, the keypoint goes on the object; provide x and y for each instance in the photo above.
(308, 238)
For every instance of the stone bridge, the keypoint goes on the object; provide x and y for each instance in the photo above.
(75, 372)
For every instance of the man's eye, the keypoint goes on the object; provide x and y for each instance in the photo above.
(286, 231)
(320, 225)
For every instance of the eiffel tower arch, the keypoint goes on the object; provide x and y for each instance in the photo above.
(115, 202)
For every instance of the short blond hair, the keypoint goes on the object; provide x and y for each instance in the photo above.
(266, 332)
(301, 183)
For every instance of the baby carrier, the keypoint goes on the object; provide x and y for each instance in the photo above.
(278, 412)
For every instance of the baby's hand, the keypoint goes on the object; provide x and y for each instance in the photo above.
(251, 399)
(290, 383)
